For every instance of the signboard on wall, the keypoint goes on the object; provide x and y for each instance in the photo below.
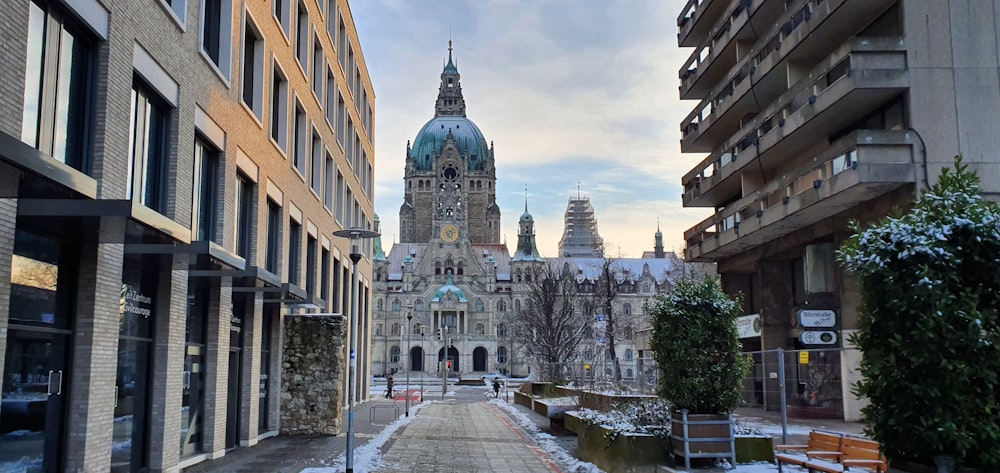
(818, 337)
(748, 326)
(817, 318)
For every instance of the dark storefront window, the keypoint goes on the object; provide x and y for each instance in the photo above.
(193, 397)
(135, 339)
(58, 87)
(240, 317)
(267, 327)
(36, 365)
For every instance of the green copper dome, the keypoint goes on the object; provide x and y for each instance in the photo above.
(469, 140)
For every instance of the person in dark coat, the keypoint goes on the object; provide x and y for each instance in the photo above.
(496, 386)
(388, 388)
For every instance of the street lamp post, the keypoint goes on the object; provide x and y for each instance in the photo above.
(409, 363)
(355, 235)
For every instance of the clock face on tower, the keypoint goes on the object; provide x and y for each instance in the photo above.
(449, 233)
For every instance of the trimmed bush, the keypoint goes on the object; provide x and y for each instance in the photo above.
(697, 348)
(929, 327)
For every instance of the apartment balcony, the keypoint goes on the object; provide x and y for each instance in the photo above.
(696, 20)
(856, 79)
(854, 170)
(726, 44)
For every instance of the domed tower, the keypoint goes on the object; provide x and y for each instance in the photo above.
(526, 248)
(450, 177)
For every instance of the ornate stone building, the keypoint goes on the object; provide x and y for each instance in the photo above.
(449, 288)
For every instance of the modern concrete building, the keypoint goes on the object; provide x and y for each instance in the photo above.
(171, 174)
(812, 113)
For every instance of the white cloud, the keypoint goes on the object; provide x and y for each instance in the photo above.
(582, 92)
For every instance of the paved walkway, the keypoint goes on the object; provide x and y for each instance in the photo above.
(475, 437)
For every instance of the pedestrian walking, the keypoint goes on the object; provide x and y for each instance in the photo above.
(388, 387)
(496, 387)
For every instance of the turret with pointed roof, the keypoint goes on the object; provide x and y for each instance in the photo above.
(526, 249)
(450, 101)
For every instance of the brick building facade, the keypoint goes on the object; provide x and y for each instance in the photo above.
(171, 173)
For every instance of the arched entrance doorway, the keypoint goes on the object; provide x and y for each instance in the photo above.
(479, 359)
(452, 356)
(416, 359)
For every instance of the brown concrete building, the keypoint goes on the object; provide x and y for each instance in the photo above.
(171, 173)
(813, 113)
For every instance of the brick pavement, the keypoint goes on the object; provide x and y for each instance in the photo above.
(476, 437)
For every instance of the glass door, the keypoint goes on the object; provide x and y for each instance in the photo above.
(35, 377)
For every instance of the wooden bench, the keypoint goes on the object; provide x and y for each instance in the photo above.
(825, 445)
(855, 454)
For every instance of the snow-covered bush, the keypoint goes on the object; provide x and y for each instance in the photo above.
(649, 416)
(697, 348)
(930, 324)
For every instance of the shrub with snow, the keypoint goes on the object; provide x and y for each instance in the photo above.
(649, 416)
(930, 324)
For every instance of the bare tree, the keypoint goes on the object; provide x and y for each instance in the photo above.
(551, 324)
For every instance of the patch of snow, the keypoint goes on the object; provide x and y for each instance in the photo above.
(368, 457)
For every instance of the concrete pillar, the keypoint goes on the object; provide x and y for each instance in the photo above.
(90, 414)
(168, 362)
(217, 368)
(250, 378)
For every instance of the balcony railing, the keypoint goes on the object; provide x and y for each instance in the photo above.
(869, 66)
(860, 166)
(705, 57)
(696, 18)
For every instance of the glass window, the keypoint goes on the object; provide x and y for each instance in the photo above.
(299, 150)
(294, 251)
(502, 330)
(324, 275)
(331, 97)
(252, 85)
(501, 354)
(302, 35)
(281, 13)
(264, 393)
(137, 313)
(328, 188)
(193, 383)
(316, 164)
(273, 237)
(311, 248)
(58, 86)
(317, 67)
(480, 329)
(394, 351)
(244, 214)
(211, 29)
(279, 108)
(149, 124)
(206, 165)
(341, 190)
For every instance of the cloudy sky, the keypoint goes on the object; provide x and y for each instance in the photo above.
(568, 92)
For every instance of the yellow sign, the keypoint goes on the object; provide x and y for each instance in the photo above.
(803, 358)
(586, 367)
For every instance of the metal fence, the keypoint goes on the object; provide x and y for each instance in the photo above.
(800, 383)
(638, 375)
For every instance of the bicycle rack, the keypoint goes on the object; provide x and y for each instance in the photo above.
(371, 413)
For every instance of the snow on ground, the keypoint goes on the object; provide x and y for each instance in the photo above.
(368, 457)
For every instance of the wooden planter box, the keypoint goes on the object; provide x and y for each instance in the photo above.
(551, 410)
(702, 436)
(754, 449)
(603, 402)
(523, 399)
(627, 453)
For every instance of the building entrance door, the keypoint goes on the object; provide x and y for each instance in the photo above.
(233, 403)
(479, 359)
(39, 342)
(416, 359)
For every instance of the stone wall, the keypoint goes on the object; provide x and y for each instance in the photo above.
(311, 374)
